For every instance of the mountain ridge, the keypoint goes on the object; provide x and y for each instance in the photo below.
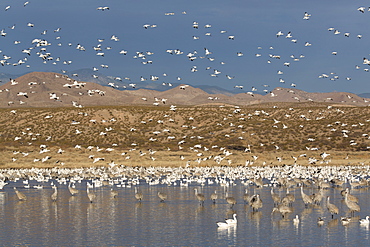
(50, 89)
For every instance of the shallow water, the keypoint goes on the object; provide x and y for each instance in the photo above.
(180, 221)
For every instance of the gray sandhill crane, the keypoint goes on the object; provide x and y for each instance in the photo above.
(351, 197)
(337, 182)
(353, 206)
(138, 195)
(306, 199)
(201, 198)
(256, 202)
(275, 197)
(317, 197)
(331, 208)
(91, 195)
(246, 197)
(290, 197)
(258, 182)
(230, 200)
(282, 209)
(20, 195)
(72, 190)
(214, 196)
(54, 196)
(162, 196)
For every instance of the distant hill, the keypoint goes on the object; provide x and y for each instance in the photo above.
(5, 77)
(364, 95)
(49, 89)
(124, 83)
(89, 75)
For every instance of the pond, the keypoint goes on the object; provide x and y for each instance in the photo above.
(178, 221)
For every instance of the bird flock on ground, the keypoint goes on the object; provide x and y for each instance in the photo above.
(44, 46)
(37, 146)
(319, 180)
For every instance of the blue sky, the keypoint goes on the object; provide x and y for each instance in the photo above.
(253, 23)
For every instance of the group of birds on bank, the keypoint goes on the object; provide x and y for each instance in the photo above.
(165, 132)
(281, 205)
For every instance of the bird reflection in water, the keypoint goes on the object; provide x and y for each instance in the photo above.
(230, 212)
(2, 197)
(72, 199)
(306, 214)
(214, 206)
(138, 204)
(333, 223)
(281, 224)
(255, 216)
(200, 208)
(228, 232)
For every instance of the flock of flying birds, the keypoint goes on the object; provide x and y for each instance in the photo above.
(41, 48)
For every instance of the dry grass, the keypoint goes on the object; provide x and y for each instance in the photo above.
(129, 129)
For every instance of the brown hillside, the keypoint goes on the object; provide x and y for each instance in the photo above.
(48, 89)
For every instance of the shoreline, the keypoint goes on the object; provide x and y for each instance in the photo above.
(275, 174)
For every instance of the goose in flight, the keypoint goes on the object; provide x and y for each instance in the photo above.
(306, 16)
(114, 38)
(102, 8)
(207, 52)
(280, 33)
(361, 9)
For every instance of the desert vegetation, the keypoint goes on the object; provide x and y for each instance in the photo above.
(267, 134)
